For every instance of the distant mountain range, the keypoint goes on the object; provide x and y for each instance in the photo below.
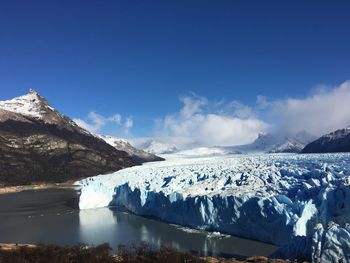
(38, 144)
(302, 142)
(156, 147)
(264, 143)
(337, 141)
(271, 143)
(137, 155)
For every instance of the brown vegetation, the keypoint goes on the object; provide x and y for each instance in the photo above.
(12, 253)
(56, 254)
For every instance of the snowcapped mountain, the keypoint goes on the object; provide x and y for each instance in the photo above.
(30, 104)
(123, 145)
(34, 106)
(337, 141)
(290, 145)
(270, 143)
(39, 144)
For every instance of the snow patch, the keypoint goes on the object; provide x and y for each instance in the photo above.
(28, 105)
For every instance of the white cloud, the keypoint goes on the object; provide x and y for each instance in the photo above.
(203, 123)
(86, 126)
(128, 124)
(192, 105)
(116, 118)
(262, 102)
(96, 122)
(325, 110)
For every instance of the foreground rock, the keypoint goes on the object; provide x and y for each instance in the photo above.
(337, 141)
(38, 144)
(276, 198)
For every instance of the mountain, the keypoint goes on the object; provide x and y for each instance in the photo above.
(270, 143)
(337, 141)
(289, 145)
(156, 147)
(137, 155)
(38, 144)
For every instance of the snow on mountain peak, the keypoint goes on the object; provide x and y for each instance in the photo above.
(32, 91)
(273, 143)
(111, 140)
(124, 145)
(31, 104)
(338, 134)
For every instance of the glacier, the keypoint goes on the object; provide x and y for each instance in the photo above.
(289, 200)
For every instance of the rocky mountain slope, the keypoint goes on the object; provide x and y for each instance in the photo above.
(137, 155)
(38, 144)
(337, 141)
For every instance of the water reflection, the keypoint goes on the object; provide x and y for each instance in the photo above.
(123, 228)
(51, 217)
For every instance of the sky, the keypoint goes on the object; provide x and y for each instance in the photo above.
(193, 73)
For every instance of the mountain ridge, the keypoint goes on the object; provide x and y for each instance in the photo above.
(138, 155)
(336, 141)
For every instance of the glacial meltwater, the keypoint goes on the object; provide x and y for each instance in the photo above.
(51, 216)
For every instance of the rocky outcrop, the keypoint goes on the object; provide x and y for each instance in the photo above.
(38, 144)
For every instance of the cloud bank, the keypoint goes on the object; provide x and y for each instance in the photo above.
(201, 122)
(204, 122)
(327, 109)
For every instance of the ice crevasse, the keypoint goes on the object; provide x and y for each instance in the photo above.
(298, 202)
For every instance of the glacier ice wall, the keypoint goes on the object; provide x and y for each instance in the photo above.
(278, 198)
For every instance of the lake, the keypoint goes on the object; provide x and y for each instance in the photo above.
(51, 216)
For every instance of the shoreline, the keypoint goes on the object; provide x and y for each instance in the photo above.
(15, 246)
(38, 186)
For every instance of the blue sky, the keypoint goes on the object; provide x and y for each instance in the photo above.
(137, 58)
